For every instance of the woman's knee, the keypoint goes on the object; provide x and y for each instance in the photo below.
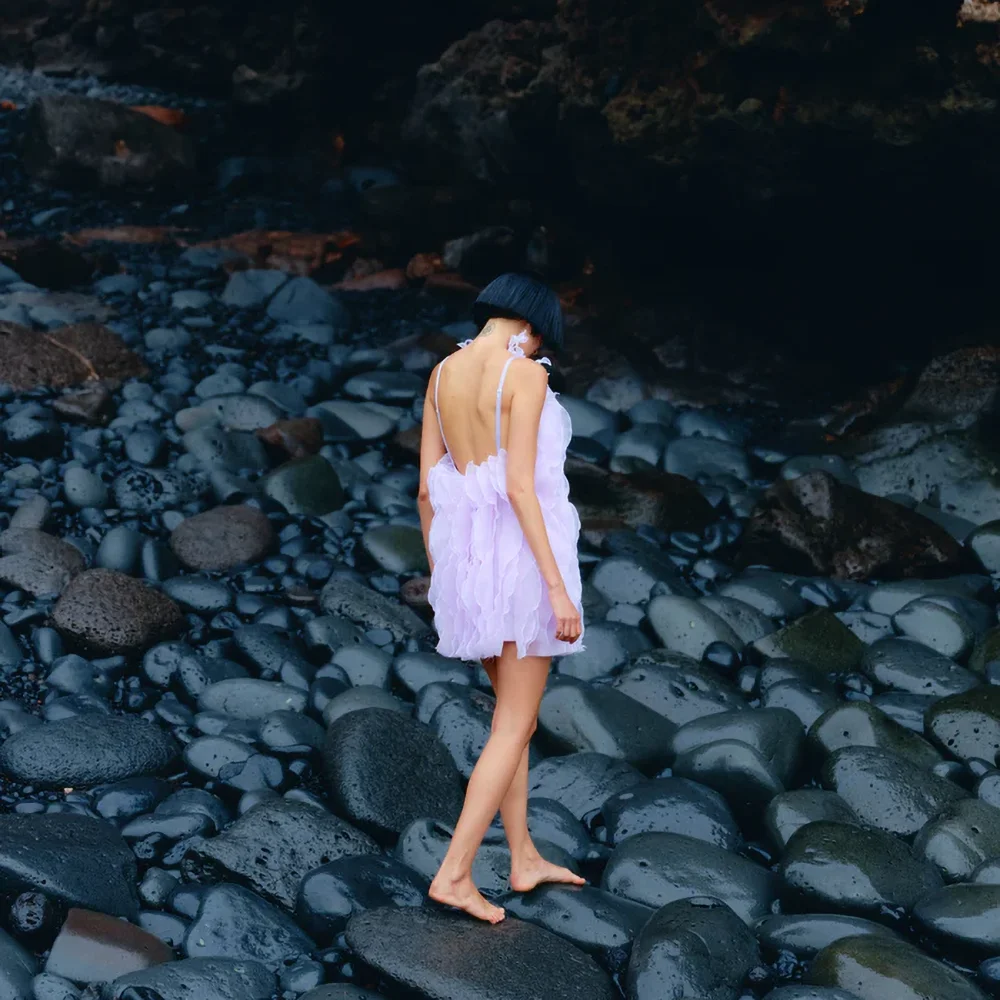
(516, 730)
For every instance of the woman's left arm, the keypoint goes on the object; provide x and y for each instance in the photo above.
(431, 452)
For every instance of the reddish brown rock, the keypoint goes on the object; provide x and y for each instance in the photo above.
(296, 438)
(817, 525)
(222, 538)
(95, 948)
(66, 356)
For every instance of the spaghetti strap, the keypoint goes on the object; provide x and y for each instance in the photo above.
(503, 375)
(437, 410)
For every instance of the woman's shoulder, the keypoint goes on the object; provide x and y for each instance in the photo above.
(529, 374)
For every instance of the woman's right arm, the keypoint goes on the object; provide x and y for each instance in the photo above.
(522, 448)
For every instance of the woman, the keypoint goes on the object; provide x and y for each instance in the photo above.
(501, 539)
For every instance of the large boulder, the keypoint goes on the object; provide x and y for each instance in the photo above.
(74, 139)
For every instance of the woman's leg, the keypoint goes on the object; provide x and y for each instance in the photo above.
(527, 867)
(520, 687)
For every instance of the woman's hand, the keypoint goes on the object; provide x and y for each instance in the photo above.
(568, 625)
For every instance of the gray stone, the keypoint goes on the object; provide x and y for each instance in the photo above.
(687, 626)
(251, 698)
(222, 538)
(961, 838)
(858, 723)
(967, 725)
(906, 665)
(694, 457)
(301, 300)
(308, 486)
(396, 548)
(805, 934)
(962, 919)
(819, 638)
(790, 811)
(198, 979)
(84, 488)
(246, 289)
(37, 562)
(366, 607)
(17, 969)
(581, 781)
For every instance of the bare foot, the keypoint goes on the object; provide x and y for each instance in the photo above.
(529, 872)
(462, 893)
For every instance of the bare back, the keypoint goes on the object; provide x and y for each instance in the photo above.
(472, 389)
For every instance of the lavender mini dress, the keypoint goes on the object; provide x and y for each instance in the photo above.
(486, 587)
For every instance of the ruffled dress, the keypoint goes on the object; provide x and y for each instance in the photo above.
(486, 587)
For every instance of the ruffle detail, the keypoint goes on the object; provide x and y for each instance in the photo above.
(486, 588)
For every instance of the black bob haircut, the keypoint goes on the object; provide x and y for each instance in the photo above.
(519, 296)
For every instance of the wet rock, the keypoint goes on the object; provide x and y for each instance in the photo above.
(906, 665)
(806, 701)
(76, 859)
(86, 750)
(809, 993)
(307, 486)
(819, 638)
(92, 947)
(886, 791)
(37, 562)
(736, 770)
(671, 805)
(301, 300)
(332, 893)
(110, 613)
(64, 357)
(397, 548)
(841, 868)
(233, 922)
(17, 969)
(962, 920)
(385, 770)
(768, 594)
(937, 626)
(576, 717)
(695, 457)
(201, 978)
(814, 524)
(658, 868)
(678, 689)
(347, 421)
(691, 948)
(874, 968)
(272, 846)
(250, 698)
(581, 781)
(687, 626)
(223, 538)
(361, 604)
(84, 488)
(861, 724)
(962, 837)
(967, 725)
(72, 139)
(148, 490)
(803, 935)
(790, 811)
(246, 289)
(441, 955)
(747, 622)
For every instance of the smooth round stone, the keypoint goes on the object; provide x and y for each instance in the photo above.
(886, 791)
(792, 810)
(861, 724)
(988, 873)
(888, 598)
(940, 628)
(582, 781)
(809, 993)
(691, 948)
(145, 491)
(267, 647)
(239, 411)
(463, 724)
(686, 626)
(876, 968)
(246, 289)
(833, 464)
(596, 921)
(623, 580)
(962, 919)
(346, 421)
(332, 893)
(961, 838)
(222, 538)
(357, 698)
(78, 860)
(233, 922)
(249, 698)
(369, 609)
(385, 386)
(86, 750)
(804, 700)
(909, 710)
(610, 645)
(272, 847)
(768, 595)
(109, 613)
(306, 486)
(396, 548)
(639, 448)
(120, 549)
(122, 800)
(38, 562)
(744, 619)
(868, 626)
(416, 670)
(385, 770)
(693, 457)
(736, 770)
(984, 542)
(819, 638)
(575, 717)
(803, 935)
(589, 420)
(657, 868)
(967, 725)
(841, 868)
(679, 693)
(907, 665)
(301, 300)
(216, 449)
(204, 978)
(17, 969)
(364, 665)
(775, 733)
(84, 488)
(290, 732)
(199, 594)
(403, 945)
(671, 805)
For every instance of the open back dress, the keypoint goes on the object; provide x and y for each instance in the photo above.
(486, 587)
